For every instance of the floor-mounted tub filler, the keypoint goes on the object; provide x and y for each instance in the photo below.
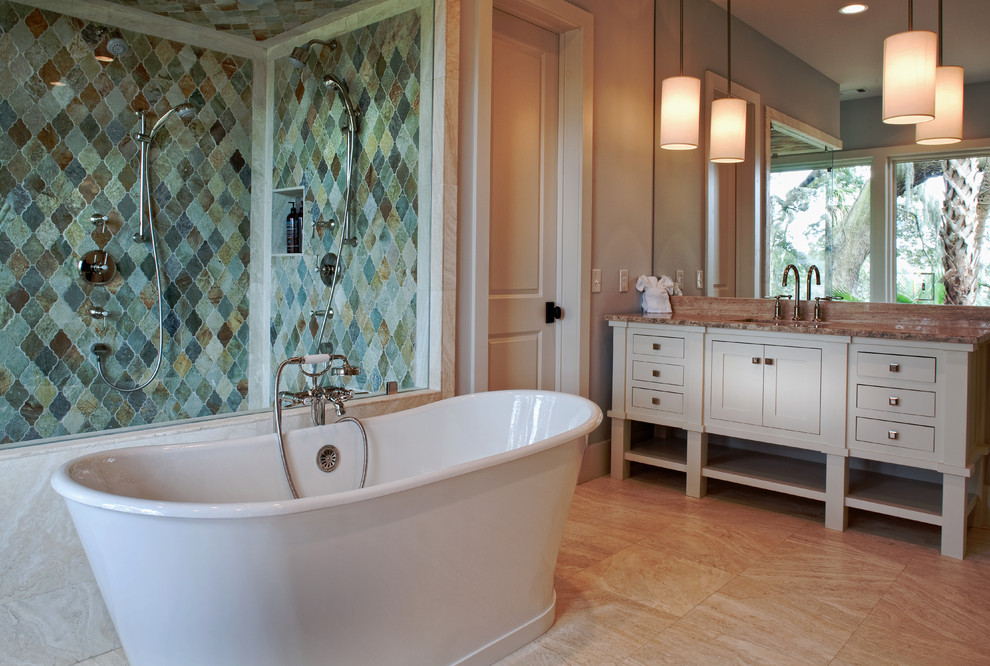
(445, 556)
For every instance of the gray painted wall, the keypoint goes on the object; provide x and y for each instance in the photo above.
(862, 126)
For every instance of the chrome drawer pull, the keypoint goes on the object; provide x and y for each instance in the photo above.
(892, 400)
(656, 373)
(757, 360)
(656, 346)
(656, 401)
(891, 434)
(894, 367)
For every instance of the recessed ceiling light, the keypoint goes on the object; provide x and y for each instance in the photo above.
(854, 8)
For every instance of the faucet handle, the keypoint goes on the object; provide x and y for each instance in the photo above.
(777, 316)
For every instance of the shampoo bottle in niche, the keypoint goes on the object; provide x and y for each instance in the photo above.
(293, 235)
(299, 225)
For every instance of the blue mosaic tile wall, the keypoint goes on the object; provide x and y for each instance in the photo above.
(375, 304)
(66, 153)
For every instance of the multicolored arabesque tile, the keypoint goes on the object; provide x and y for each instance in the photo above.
(255, 20)
(375, 304)
(67, 153)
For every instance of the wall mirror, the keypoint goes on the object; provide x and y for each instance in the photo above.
(811, 208)
(732, 204)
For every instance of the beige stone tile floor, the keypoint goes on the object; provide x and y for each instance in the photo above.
(649, 576)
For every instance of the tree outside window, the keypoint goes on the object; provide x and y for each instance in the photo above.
(942, 208)
(821, 216)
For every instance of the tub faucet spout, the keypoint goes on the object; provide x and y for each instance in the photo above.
(337, 396)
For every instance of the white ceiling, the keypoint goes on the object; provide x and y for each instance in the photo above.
(849, 49)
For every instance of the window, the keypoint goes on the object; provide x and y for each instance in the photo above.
(821, 215)
(941, 222)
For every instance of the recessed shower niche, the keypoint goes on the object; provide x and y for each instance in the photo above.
(285, 203)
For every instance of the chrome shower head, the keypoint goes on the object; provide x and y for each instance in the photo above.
(117, 46)
(184, 111)
(332, 81)
(299, 54)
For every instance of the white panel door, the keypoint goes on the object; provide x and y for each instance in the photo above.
(523, 236)
(737, 382)
(792, 389)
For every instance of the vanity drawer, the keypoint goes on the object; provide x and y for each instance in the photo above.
(658, 373)
(891, 433)
(896, 366)
(658, 401)
(895, 400)
(658, 345)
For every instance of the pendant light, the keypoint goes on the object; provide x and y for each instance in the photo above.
(909, 75)
(948, 124)
(680, 106)
(728, 130)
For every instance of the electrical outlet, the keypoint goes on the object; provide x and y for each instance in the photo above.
(596, 280)
(680, 278)
(701, 279)
(623, 280)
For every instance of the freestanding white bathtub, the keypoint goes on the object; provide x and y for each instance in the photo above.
(446, 556)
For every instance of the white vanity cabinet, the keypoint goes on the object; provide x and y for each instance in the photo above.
(919, 407)
(657, 379)
(894, 426)
(777, 388)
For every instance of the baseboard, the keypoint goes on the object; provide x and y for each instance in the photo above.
(596, 461)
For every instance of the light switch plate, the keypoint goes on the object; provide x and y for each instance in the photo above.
(680, 278)
(596, 280)
(623, 280)
(701, 279)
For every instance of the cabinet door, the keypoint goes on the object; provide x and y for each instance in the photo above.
(792, 390)
(737, 382)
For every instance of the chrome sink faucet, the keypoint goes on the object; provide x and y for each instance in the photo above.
(797, 289)
(818, 281)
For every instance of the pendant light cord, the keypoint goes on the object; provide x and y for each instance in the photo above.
(681, 42)
(728, 43)
(939, 63)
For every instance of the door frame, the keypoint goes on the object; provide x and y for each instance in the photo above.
(575, 28)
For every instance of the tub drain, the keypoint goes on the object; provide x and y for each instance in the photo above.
(327, 458)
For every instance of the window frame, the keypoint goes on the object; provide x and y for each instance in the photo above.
(883, 213)
(825, 159)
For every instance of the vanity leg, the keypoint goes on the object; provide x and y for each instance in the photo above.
(697, 460)
(836, 489)
(980, 511)
(621, 443)
(954, 516)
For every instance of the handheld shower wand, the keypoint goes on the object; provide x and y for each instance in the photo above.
(144, 137)
(345, 233)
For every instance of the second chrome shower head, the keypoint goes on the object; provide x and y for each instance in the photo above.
(300, 53)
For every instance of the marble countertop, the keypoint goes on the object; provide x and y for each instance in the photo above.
(966, 325)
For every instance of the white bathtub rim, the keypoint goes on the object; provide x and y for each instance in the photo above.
(72, 490)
